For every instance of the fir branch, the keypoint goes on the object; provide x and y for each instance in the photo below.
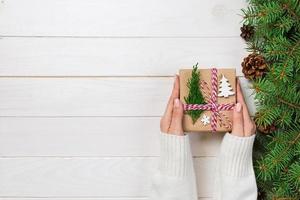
(275, 158)
(294, 176)
(288, 58)
(296, 106)
(277, 38)
(286, 7)
(280, 99)
(195, 96)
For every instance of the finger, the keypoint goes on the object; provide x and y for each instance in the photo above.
(249, 128)
(164, 125)
(173, 96)
(238, 121)
(167, 117)
(177, 115)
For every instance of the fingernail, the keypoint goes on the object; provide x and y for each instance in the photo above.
(177, 103)
(238, 107)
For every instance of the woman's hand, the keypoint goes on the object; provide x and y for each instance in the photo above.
(243, 125)
(171, 121)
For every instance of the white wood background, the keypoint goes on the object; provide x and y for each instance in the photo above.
(71, 75)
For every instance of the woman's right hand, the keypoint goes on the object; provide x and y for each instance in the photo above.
(243, 125)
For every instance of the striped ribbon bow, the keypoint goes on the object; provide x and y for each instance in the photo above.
(213, 105)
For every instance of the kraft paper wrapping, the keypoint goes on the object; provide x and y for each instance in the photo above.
(205, 74)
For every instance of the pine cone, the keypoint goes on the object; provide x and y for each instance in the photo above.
(247, 32)
(267, 129)
(254, 66)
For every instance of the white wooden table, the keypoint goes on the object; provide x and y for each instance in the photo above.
(72, 73)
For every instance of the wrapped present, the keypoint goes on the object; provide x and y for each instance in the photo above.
(209, 96)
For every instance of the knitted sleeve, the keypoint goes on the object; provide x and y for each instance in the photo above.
(175, 177)
(235, 179)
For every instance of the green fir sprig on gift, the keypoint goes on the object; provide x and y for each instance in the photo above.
(195, 96)
(272, 34)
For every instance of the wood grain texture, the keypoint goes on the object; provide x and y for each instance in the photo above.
(72, 73)
(86, 177)
(88, 198)
(85, 198)
(115, 56)
(120, 18)
(132, 136)
(87, 96)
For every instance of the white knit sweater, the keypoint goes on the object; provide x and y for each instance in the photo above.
(175, 177)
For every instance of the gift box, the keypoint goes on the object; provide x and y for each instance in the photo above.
(209, 96)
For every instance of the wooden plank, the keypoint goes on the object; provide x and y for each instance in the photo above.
(85, 96)
(86, 198)
(120, 18)
(103, 177)
(91, 137)
(115, 56)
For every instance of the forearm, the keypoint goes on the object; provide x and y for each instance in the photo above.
(235, 178)
(175, 177)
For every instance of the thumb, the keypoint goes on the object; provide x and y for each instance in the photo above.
(177, 115)
(238, 121)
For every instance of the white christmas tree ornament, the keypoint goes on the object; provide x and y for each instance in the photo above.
(225, 88)
(205, 120)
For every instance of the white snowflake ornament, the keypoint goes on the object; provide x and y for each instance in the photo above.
(225, 88)
(205, 120)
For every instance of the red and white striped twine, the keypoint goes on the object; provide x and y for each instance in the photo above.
(213, 105)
